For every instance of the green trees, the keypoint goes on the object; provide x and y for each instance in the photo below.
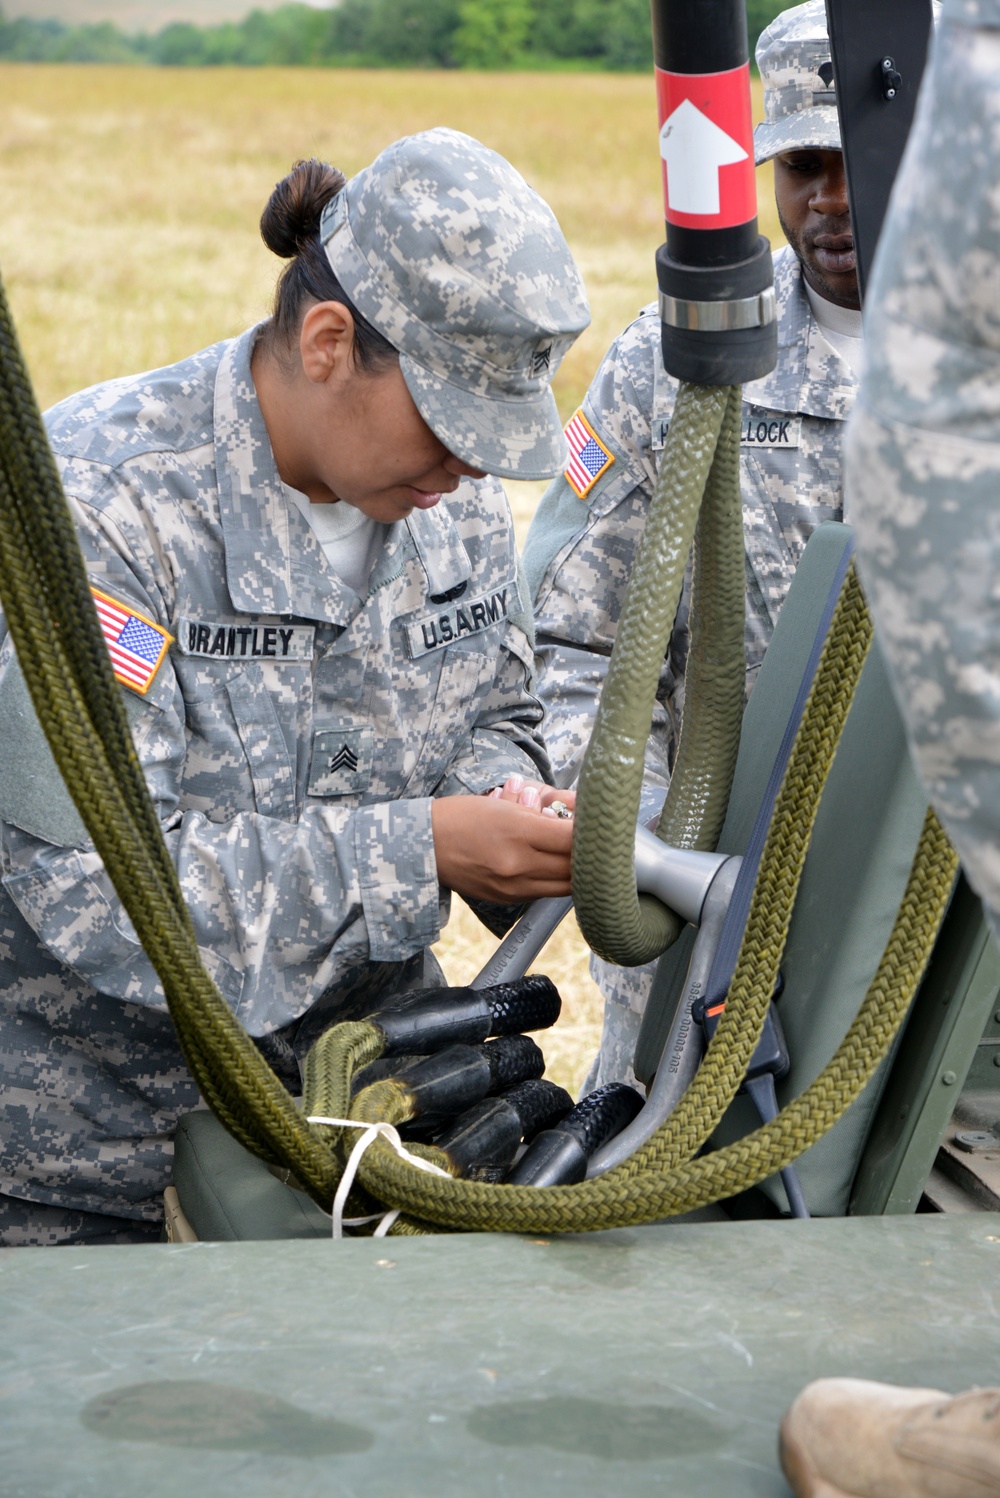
(492, 33)
(392, 33)
(609, 33)
(293, 36)
(26, 40)
(488, 34)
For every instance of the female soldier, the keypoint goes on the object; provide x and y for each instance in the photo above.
(310, 595)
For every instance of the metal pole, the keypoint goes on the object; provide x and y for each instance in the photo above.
(714, 272)
(878, 54)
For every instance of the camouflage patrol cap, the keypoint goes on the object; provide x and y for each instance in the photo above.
(449, 253)
(800, 101)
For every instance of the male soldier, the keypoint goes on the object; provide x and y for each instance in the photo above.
(923, 475)
(584, 536)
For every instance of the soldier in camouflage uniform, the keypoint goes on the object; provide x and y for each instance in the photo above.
(924, 448)
(320, 692)
(922, 473)
(584, 537)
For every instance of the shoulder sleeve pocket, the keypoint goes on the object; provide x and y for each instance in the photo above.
(33, 794)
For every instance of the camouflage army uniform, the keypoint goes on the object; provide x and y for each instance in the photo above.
(291, 739)
(293, 734)
(924, 446)
(579, 554)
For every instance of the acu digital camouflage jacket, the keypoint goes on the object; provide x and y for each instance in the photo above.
(292, 739)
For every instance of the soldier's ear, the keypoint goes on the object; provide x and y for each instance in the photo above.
(326, 341)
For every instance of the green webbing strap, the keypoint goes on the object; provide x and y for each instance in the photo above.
(715, 673)
(47, 602)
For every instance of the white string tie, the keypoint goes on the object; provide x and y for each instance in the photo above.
(371, 1131)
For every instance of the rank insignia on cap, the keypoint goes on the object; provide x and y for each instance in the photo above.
(588, 457)
(135, 644)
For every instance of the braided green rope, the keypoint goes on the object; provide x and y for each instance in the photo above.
(702, 450)
(662, 1178)
(715, 674)
(779, 874)
(329, 1066)
(620, 1200)
(49, 612)
(809, 1116)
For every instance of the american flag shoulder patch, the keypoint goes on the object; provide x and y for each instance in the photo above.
(135, 644)
(588, 457)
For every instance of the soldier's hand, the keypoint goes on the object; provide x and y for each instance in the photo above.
(535, 795)
(492, 848)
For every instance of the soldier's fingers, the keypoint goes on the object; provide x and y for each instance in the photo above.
(534, 795)
(552, 795)
(511, 789)
(548, 835)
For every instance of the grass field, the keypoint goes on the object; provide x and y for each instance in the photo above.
(128, 239)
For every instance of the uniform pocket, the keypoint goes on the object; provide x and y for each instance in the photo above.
(271, 769)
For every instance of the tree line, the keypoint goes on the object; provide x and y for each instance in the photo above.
(503, 34)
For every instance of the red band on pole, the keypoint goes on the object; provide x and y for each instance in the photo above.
(706, 143)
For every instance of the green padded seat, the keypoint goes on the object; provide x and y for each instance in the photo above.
(228, 1195)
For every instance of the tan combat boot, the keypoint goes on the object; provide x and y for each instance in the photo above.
(848, 1438)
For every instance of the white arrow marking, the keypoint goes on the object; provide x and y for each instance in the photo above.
(694, 149)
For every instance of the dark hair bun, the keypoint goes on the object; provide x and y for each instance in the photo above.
(295, 207)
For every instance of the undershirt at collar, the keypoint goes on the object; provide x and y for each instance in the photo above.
(841, 326)
(350, 539)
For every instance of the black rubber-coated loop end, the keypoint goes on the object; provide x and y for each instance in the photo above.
(511, 1059)
(531, 1003)
(601, 1115)
(386, 1068)
(551, 1159)
(558, 1156)
(487, 1135)
(539, 1105)
(432, 1018)
(447, 1082)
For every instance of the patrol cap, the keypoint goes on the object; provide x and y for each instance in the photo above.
(448, 252)
(800, 101)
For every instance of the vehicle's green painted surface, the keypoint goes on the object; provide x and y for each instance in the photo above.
(939, 1051)
(653, 1361)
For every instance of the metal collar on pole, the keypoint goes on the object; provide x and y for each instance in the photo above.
(714, 272)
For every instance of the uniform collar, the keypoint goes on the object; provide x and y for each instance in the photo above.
(810, 377)
(274, 563)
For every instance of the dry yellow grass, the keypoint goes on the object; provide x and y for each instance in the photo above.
(128, 232)
(128, 239)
